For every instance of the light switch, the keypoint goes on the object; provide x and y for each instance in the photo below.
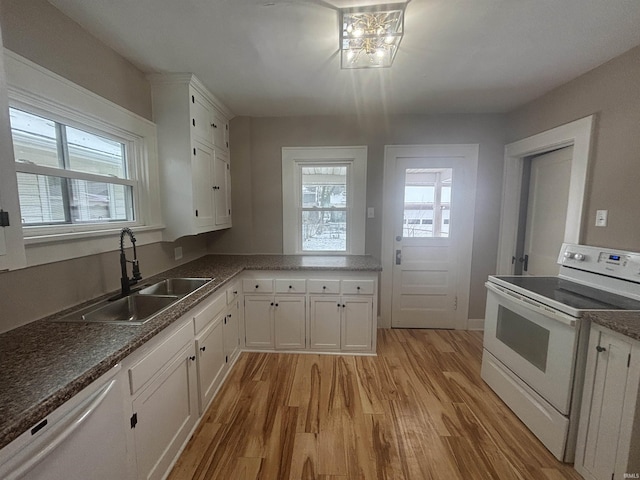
(370, 212)
(601, 218)
(177, 253)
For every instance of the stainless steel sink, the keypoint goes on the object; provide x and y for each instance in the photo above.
(134, 309)
(140, 307)
(175, 286)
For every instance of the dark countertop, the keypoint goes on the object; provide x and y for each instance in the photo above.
(626, 323)
(44, 363)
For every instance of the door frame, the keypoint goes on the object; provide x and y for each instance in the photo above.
(391, 152)
(577, 133)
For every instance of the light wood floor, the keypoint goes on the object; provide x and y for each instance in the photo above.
(418, 410)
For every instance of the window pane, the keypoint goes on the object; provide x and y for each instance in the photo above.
(100, 202)
(41, 199)
(324, 230)
(91, 153)
(324, 187)
(427, 202)
(34, 139)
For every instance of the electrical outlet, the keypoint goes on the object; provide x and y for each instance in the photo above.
(601, 218)
(370, 212)
(177, 252)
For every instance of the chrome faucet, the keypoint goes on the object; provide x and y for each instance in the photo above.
(125, 281)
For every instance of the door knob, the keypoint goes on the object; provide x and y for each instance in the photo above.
(398, 238)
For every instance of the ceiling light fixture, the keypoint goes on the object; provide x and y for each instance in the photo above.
(370, 36)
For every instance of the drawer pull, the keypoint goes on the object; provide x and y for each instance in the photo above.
(600, 349)
(192, 358)
(202, 349)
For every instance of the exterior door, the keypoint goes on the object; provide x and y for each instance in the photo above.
(546, 212)
(434, 201)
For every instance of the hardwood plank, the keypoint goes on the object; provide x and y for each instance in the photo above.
(418, 410)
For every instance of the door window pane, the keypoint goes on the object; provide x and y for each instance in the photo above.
(427, 202)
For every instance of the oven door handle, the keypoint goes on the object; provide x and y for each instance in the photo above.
(532, 304)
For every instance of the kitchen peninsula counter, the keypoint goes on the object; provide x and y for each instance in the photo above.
(45, 363)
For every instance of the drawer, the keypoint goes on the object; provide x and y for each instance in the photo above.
(297, 285)
(145, 369)
(324, 286)
(207, 313)
(355, 287)
(232, 293)
(257, 285)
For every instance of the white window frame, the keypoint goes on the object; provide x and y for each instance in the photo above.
(293, 158)
(37, 90)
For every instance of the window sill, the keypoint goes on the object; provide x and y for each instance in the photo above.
(41, 249)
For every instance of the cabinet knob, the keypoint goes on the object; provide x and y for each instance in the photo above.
(343, 305)
(358, 287)
(276, 304)
(214, 125)
(192, 358)
(600, 349)
(272, 304)
(324, 287)
(290, 287)
(257, 286)
(235, 292)
(202, 349)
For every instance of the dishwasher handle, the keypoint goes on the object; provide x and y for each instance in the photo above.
(85, 411)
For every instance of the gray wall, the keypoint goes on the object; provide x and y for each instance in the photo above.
(612, 92)
(38, 31)
(41, 33)
(256, 171)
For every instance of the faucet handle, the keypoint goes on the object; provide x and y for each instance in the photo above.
(136, 271)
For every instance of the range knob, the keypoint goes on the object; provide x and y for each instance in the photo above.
(568, 254)
(579, 257)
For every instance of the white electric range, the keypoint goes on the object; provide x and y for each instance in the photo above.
(535, 339)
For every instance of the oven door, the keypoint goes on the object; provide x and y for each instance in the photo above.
(536, 343)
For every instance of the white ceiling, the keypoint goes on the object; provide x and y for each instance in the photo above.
(280, 57)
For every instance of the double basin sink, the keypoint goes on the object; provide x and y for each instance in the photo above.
(141, 306)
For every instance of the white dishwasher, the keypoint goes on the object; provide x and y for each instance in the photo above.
(85, 438)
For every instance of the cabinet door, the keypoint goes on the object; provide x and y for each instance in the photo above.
(231, 335)
(219, 129)
(357, 323)
(200, 110)
(325, 313)
(202, 170)
(222, 189)
(289, 322)
(605, 387)
(165, 412)
(211, 361)
(258, 320)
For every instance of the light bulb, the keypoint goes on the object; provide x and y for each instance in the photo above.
(358, 32)
(380, 52)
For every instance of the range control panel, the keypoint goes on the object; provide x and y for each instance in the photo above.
(613, 263)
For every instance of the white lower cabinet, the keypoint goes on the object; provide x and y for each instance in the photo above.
(324, 320)
(275, 322)
(609, 433)
(341, 323)
(164, 407)
(211, 360)
(319, 311)
(289, 314)
(357, 321)
(258, 321)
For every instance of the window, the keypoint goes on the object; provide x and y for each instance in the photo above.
(67, 175)
(324, 194)
(84, 168)
(427, 202)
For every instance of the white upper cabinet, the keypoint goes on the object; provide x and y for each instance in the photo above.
(193, 150)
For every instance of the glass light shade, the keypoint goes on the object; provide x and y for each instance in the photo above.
(370, 36)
